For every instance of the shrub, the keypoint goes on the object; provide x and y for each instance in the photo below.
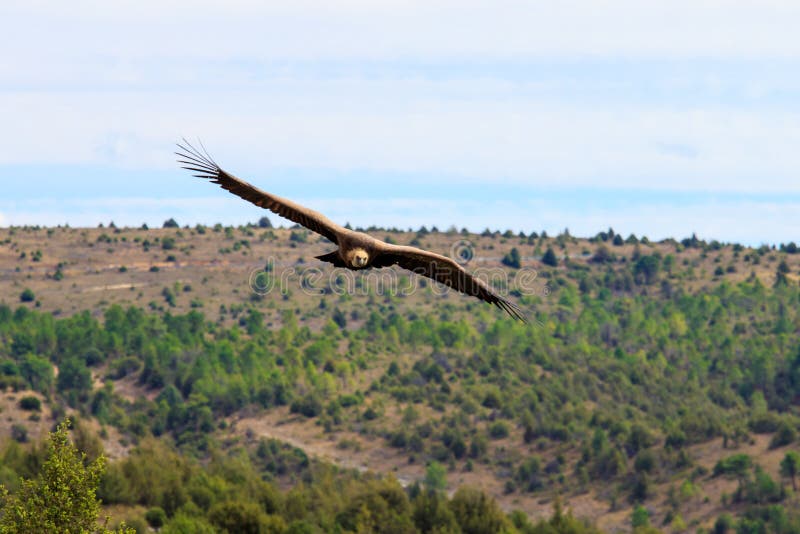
(550, 258)
(476, 512)
(27, 295)
(499, 430)
(310, 406)
(156, 517)
(737, 465)
(640, 517)
(122, 368)
(785, 435)
(235, 516)
(30, 403)
(513, 259)
(19, 433)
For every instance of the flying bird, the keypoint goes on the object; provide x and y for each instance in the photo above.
(356, 250)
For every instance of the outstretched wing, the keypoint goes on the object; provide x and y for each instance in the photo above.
(205, 167)
(444, 270)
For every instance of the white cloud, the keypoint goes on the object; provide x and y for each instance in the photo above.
(461, 91)
(394, 29)
(416, 128)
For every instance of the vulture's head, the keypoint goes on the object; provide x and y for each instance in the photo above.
(358, 258)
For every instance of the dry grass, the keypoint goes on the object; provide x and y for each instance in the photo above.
(92, 277)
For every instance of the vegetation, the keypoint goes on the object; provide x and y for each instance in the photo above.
(640, 362)
(61, 498)
(229, 494)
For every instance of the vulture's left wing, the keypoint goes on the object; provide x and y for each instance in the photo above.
(205, 167)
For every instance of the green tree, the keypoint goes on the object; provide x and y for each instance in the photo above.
(432, 514)
(640, 517)
(243, 517)
(780, 274)
(62, 497)
(724, 524)
(513, 259)
(477, 513)
(436, 477)
(737, 465)
(603, 255)
(550, 258)
(646, 268)
(156, 517)
(168, 243)
(73, 374)
(38, 372)
(790, 466)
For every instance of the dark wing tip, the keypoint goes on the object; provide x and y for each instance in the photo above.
(512, 309)
(194, 160)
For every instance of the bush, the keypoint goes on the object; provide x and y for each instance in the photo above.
(785, 435)
(156, 517)
(737, 465)
(640, 517)
(603, 255)
(550, 258)
(186, 524)
(498, 430)
(124, 367)
(27, 295)
(310, 406)
(723, 524)
(73, 374)
(235, 516)
(513, 259)
(93, 357)
(476, 512)
(19, 433)
(30, 403)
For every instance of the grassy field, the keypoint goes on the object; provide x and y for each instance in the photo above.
(101, 266)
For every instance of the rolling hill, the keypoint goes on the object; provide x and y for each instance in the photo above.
(654, 380)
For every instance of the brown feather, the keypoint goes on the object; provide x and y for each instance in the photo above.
(381, 254)
(446, 271)
(206, 168)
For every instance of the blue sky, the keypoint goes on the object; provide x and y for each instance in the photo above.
(660, 119)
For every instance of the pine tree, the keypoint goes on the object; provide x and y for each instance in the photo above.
(550, 258)
(62, 497)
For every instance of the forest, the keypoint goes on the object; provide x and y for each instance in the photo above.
(639, 358)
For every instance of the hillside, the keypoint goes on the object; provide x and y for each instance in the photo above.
(646, 372)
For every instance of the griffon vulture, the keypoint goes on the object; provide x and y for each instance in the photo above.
(356, 250)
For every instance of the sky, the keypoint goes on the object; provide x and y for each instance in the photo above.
(655, 118)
